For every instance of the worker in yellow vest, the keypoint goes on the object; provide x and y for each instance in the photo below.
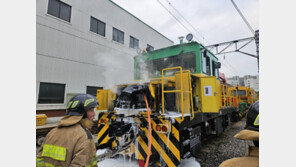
(251, 132)
(71, 142)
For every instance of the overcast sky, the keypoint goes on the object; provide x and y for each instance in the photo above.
(216, 20)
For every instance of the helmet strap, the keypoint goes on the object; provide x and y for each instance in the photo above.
(84, 115)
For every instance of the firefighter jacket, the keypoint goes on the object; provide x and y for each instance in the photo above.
(68, 145)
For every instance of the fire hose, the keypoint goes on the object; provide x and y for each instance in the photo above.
(150, 133)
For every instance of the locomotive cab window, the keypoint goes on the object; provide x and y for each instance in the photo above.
(239, 92)
(213, 68)
(186, 60)
(217, 73)
(189, 62)
(206, 68)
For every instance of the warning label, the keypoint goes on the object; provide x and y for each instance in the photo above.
(208, 90)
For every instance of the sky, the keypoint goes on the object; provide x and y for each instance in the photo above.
(213, 21)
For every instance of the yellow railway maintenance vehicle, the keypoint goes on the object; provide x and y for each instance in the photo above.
(243, 94)
(163, 118)
(245, 97)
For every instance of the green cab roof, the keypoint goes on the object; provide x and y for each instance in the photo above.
(176, 47)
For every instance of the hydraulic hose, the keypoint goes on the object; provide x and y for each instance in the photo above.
(150, 132)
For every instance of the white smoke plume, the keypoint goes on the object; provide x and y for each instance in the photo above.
(144, 71)
(118, 69)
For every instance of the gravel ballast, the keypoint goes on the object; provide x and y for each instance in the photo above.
(215, 150)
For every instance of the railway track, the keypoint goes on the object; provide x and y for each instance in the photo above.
(215, 150)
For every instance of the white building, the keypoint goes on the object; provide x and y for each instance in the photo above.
(85, 45)
(234, 81)
(252, 82)
(248, 81)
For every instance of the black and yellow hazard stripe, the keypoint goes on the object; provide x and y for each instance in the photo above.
(174, 138)
(167, 148)
(141, 146)
(179, 120)
(103, 129)
(169, 141)
(142, 149)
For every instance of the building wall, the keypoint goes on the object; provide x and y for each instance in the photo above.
(235, 80)
(71, 54)
(253, 82)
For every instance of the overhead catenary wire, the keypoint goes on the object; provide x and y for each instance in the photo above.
(188, 22)
(256, 34)
(231, 66)
(233, 70)
(226, 63)
(174, 17)
(229, 69)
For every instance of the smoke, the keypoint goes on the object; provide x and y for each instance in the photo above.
(148, 70)
(143, 70)
(118, 69)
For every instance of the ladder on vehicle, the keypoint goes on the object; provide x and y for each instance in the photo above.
(181, 90)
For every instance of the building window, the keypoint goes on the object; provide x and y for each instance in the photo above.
(149, 48)
(59, 9)
(92, 90)
(118, 35)
(51, 93)
(134, 43)
(97, 26)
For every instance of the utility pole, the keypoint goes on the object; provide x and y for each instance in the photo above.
(255, 33)
(227, 47)
(257, 46)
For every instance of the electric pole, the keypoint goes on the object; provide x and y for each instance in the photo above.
(255, 33)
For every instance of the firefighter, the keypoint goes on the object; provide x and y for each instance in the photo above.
(251, 132)
(71, 142)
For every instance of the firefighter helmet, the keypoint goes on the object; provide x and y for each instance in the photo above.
(252, 122)
(79, 104)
